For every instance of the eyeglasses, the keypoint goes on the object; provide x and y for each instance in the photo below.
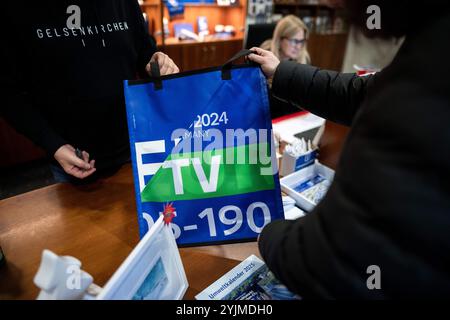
(296, 42)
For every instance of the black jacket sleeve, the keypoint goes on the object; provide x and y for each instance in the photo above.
(17, 108)
(26, 120)
(280, 243)
(329, 94)
(388, 205)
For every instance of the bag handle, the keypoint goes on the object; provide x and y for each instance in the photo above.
(226, 68)
(156, 75)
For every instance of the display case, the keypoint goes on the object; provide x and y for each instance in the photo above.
(223, 21)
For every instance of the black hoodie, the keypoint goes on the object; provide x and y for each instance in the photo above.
(64, 85)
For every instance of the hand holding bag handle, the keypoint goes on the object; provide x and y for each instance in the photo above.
(226, 68)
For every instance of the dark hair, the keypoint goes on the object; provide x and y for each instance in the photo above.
(398, 17)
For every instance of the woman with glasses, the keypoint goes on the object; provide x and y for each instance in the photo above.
(288, 43)
(289, 40)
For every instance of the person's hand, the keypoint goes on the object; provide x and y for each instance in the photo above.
(166, 65)
(268, 61)
(73, 165)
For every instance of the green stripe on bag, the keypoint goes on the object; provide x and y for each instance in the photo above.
(210, 174)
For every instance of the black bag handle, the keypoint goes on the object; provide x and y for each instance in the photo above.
(156, 75)
(226, 68)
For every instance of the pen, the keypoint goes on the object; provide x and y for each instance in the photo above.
(79, 154)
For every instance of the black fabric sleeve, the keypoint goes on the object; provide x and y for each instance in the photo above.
(328, 94)
(26, 120)
(282, 247)
(17, 108)
(145, 42)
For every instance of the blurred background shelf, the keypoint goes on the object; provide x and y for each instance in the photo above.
(326, 43)
(190, 55)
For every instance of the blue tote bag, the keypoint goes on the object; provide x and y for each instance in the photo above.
(202, 153)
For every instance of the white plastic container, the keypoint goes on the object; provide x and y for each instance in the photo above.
(293, 182)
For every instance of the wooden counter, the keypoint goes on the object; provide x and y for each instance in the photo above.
(98, 225)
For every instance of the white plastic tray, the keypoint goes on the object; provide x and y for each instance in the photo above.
(289, 182)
